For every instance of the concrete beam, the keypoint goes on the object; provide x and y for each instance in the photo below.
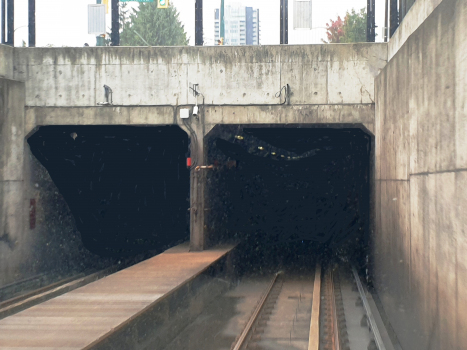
(165, 115)
(316, 74)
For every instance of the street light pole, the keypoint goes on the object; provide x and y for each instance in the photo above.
(199, 23)
(10, 23)
(284, 22)
(115, 36)
(32, 23)
(370, 21)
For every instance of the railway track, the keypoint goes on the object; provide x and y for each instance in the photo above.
(290, 316)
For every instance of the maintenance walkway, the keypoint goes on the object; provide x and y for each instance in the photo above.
(88, 315)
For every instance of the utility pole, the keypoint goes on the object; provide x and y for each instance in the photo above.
(115, 36)
(370, 21)
(10, 22)
(199, 23)
(284, 22)
(32, 23)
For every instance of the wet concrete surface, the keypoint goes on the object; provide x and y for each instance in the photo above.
(222, 322)
(218, 327)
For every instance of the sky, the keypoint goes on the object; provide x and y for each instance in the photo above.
(64, 22)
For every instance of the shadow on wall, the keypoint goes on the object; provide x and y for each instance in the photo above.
(127, 187)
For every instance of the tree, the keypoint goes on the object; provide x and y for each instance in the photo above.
(149, 25)
(350, 30)
(355, 26)
(335, 31)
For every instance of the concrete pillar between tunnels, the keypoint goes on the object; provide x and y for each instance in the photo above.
(198, 232)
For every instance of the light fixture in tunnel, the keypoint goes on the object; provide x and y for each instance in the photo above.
(239, 137)
(260, 148)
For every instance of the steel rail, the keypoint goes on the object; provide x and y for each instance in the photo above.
(335, 327)
(246, 331)
(369, 314)
(313, 340)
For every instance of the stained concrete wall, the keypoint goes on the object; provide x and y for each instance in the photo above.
(37, 231)
(317, 74)
(421, 201)
(417, 14)
(6, 61)
(329, 84)
(362, 114)
(11, 176)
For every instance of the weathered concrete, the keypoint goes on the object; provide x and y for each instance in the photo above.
(417, 14)
(213, 115)
(37, 231)
(6, 61)
(329, 84)
(12, 205)
(421, 128)
(317, 74)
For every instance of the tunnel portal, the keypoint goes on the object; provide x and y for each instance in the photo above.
(291, 187)
(127, 187)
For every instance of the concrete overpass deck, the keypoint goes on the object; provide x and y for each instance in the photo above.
(93, 314)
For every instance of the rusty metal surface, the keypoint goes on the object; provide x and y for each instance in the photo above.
(80, 317)
(313, 340)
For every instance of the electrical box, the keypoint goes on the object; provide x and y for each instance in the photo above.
(184, 113)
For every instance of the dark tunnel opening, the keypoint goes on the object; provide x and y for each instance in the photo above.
(291, 193)
(127, 187)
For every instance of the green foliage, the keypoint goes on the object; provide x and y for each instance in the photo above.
(355, 27)
(156, 27)
(350, 30)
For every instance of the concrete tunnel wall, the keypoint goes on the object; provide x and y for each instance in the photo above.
(329, 84)
(421, 202)
(420, 128)
(38, 235)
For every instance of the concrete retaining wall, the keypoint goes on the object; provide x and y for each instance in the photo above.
(417, 14)
(421, 201)
(6, 61)
(317, 74)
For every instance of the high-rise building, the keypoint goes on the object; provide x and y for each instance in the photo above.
(241, 25)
